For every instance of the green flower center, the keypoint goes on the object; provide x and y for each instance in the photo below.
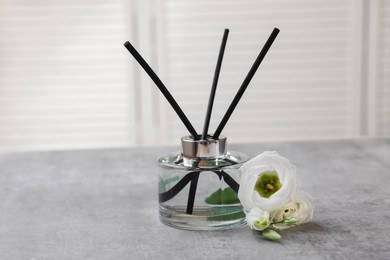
(267, 184)
(261, 223)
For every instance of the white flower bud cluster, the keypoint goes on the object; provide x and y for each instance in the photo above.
(269, 196)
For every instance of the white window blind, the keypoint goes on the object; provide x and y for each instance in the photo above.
(67, 82)
(384, 69)
(307, 86)
(64, 78)
(378, 69)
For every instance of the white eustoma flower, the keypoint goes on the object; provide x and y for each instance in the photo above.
(258, 219)
(298, 211)
(267, 181)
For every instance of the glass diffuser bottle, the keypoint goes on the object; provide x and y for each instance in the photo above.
(198, 186)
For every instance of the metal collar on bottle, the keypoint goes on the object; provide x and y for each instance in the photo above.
(210, 148)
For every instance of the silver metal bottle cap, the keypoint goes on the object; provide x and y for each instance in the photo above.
(209, 148)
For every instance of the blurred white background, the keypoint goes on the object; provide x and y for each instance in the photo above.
(67, 82)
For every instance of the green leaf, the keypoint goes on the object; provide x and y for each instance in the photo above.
(214, 198)
(223, 197)
(270, 234)
(229, 196)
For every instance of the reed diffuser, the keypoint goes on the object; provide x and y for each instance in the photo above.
(198, 186)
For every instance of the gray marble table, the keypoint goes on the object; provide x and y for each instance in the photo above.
(102, 204)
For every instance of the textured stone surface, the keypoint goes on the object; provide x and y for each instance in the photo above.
(102, 204)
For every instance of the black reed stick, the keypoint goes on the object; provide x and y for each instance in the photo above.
(192, 192)
(214, 85)
(246, 82)
(162, 88)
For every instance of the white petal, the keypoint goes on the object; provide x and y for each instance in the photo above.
(250, 171)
